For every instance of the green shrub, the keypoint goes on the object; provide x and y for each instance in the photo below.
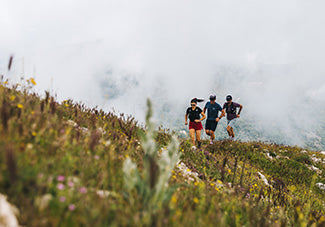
(303, 158)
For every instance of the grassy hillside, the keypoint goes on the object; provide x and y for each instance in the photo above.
(63, 164)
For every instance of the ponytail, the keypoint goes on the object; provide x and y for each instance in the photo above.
(196, 100)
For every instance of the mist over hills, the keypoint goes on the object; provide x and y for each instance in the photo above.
(278, 113)
(268, 55)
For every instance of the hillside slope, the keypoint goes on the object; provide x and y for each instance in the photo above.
(63, 164)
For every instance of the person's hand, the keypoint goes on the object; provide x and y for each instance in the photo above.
(185, 122)
(238, 115)
(196, 120)
(218, 119)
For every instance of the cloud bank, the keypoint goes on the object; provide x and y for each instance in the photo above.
(116, 53)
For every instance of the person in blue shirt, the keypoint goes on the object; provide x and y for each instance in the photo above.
(212, 121)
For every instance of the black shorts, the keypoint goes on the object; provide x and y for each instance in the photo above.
(211, 125)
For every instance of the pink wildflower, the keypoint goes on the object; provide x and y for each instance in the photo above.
(60, 186)
(83, 190)
(70, 184)
(72, 207)
(62, 199)
(96, 157)
(60, 178)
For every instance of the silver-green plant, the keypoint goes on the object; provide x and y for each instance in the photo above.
(151, 185)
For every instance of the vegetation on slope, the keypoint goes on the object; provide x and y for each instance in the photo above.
(63, 164)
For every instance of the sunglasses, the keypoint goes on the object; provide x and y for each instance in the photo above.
(193, 104)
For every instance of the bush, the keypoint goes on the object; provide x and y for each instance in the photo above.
(303, 158)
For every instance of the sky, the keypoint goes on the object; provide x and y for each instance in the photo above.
(116, 53)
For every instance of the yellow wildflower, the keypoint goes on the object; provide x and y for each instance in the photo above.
(68, 131)
(34, 133)
(196, 200)
(188, 170)
(219, 181)
(32, 81)
(174, 176)
(20, 106)
(216, 188)
(12, 98)
(174, 199)
(212, 184)
(196, 183)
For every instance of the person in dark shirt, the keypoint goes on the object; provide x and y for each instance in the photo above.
(195, 126)
(232, 115)
(212, 121)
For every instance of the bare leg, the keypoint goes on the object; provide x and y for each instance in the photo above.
(229, 130)
(198, 135)
(198, 138)
(232, 132)
(207, 132)
(212, 135)
(192, 134)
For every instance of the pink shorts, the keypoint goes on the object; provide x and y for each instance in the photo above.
(195, 125)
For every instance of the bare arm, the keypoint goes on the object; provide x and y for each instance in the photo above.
(202, 118)
(240, 108)
(186, 119)
(223, 113)
(204, 109)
